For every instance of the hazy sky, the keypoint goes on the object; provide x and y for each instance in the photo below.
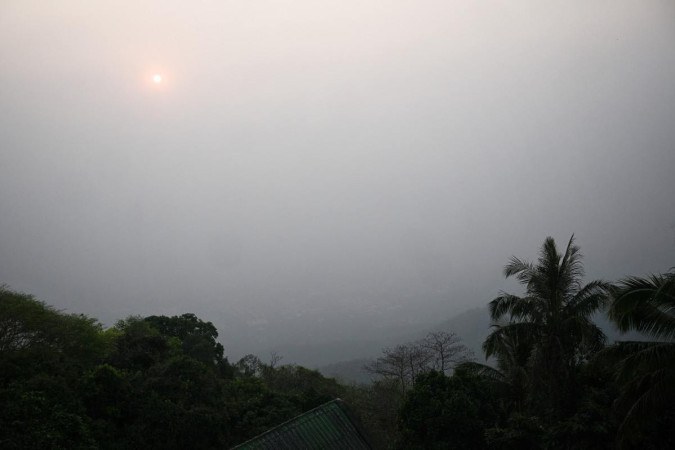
(327, 158)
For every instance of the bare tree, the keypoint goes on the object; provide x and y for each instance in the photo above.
(393, 365)
(402, 364)
(275, 358)
(419, 359)
(446, 350)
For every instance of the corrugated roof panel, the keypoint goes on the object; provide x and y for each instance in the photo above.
(328, 427)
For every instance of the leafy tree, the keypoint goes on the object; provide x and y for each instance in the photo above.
(308, 388)
(43, 353)
(36, 338)
(198, 338)
(24, 322)
(178, 403)
(164, 375)
(249, 366)
(42, 412)
(107, 396)
(377, 405)
(253, 408)
(447, 412)
(138, 345)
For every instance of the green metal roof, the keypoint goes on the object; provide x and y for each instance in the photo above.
(329, 426)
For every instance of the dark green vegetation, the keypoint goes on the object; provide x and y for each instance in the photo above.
(552, 381)
(555, 384)
(154, 382)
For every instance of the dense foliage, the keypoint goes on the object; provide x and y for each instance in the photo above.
(550, 380)
(553, 383)
(154, 382)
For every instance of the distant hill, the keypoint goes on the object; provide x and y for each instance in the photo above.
(472, 326)
(348, 371)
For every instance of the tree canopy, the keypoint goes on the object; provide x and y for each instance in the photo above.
(550, 381)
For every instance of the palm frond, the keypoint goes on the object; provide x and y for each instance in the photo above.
(592, 337)
(522, 270)
(549, 264)
(511, 341)
(482, 370)
(646, 305)
(643, 396)
(517, 307)
(643, 357)
(571, 269)
(493, 342)
(589, 299)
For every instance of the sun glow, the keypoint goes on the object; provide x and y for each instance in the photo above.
(156, 79)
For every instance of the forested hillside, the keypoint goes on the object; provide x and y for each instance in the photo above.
(153, 382)
(165, 382)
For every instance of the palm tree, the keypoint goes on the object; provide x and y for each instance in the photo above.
(555, 314)
(645, 370)
(512, 349)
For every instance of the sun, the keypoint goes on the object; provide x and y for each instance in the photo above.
(157, 78)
